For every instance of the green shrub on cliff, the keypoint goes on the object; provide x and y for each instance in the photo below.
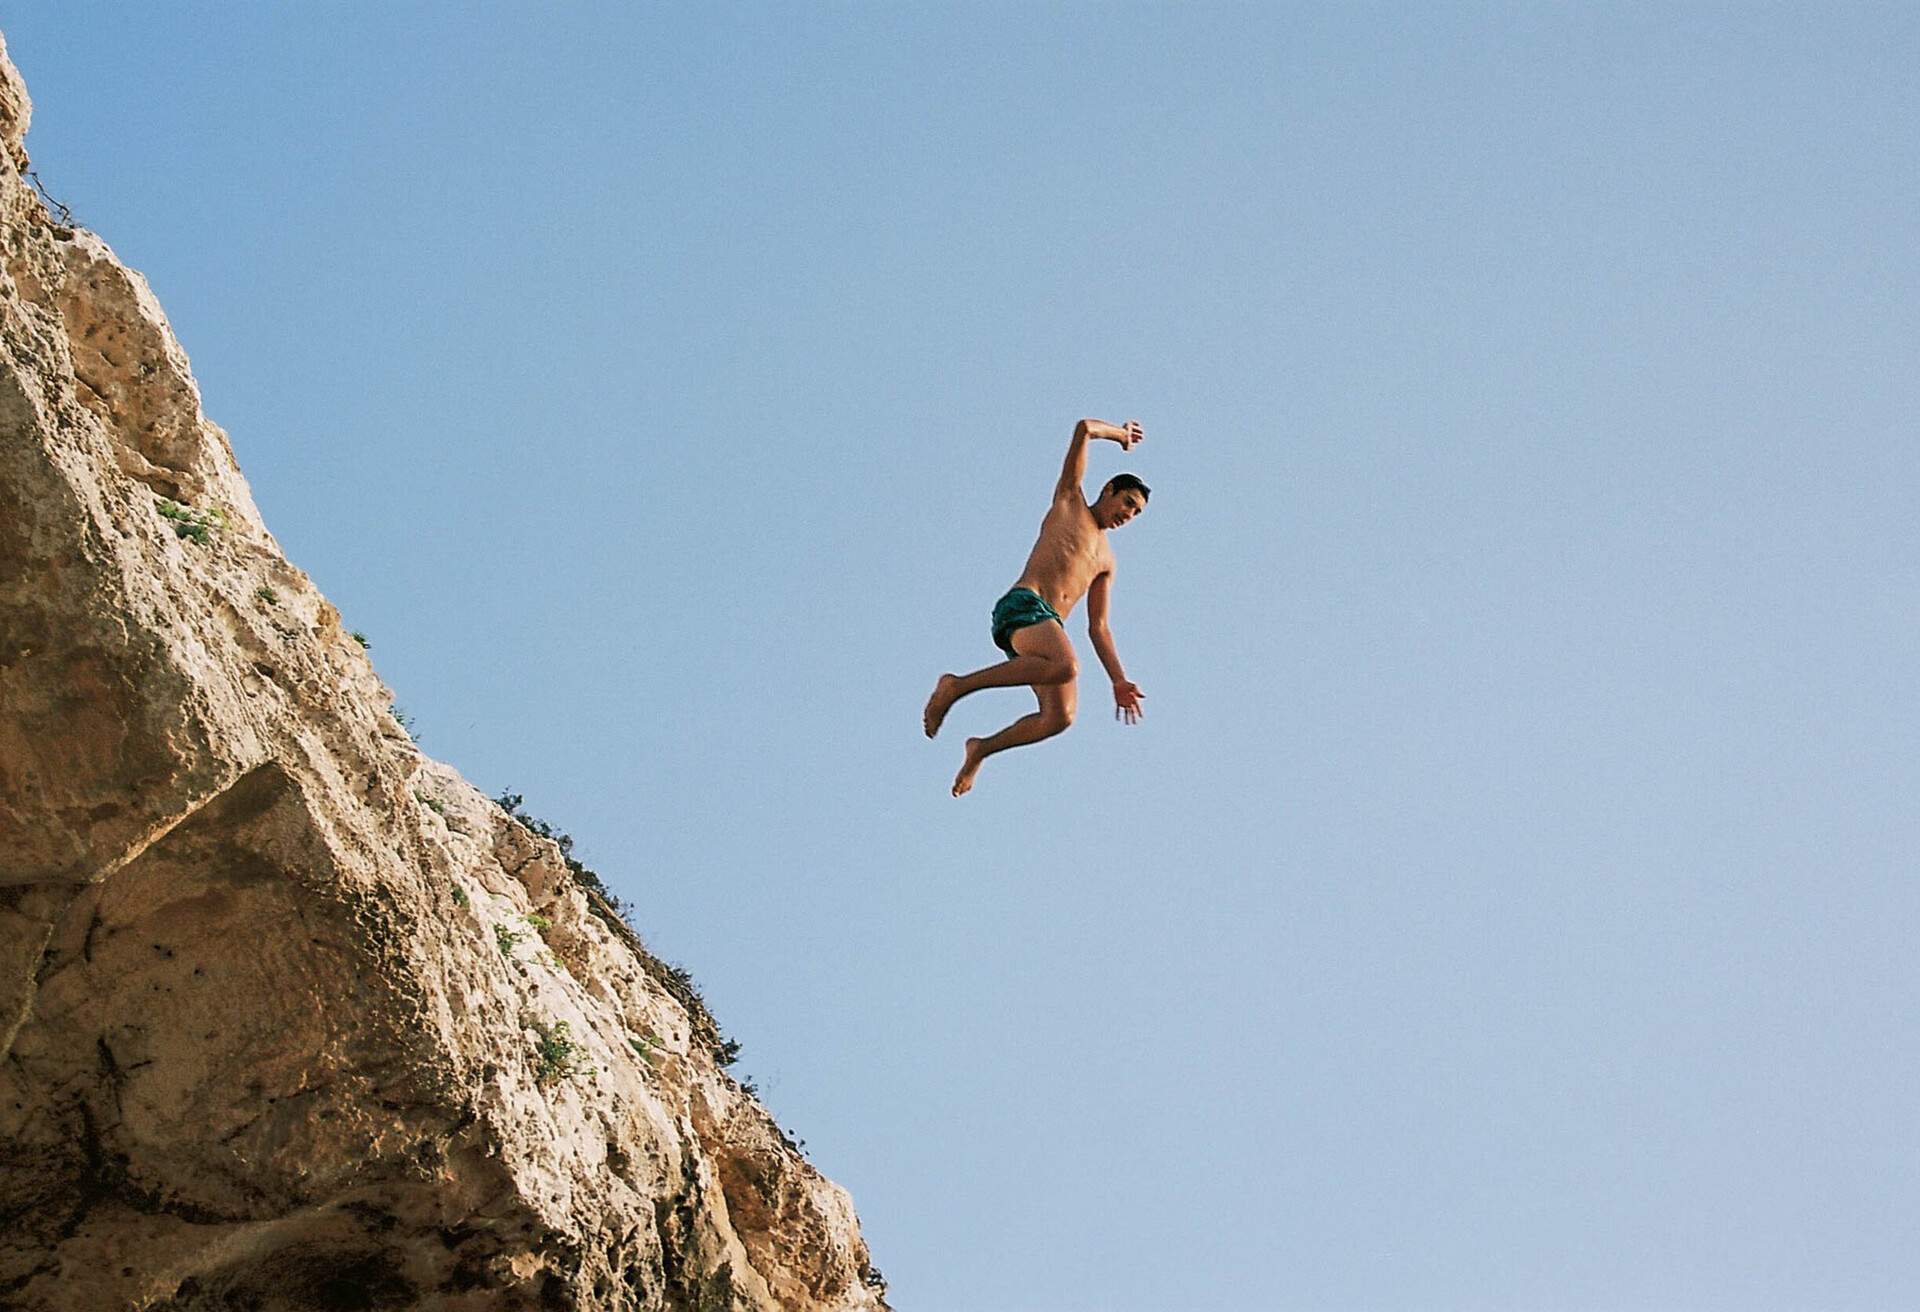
(557, 1056)
(196, 525)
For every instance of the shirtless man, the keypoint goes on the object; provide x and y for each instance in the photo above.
(1070, 561)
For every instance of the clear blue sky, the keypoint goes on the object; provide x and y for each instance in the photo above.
(1509, 901)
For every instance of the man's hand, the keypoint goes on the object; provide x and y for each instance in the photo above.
(1130, 435)
(1126, 702)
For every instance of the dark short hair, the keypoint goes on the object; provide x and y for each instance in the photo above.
(1128, 482)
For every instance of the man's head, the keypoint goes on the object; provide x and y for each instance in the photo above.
(1121, 499)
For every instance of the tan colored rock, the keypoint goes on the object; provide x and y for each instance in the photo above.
(16, 110)
(291, 1016)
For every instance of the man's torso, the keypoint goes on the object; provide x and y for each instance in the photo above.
(1071, 553)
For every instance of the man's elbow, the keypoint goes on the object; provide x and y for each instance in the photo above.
(1097, 631)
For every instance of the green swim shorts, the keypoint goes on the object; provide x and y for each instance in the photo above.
(1016, 610)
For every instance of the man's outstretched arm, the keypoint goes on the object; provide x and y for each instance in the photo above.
(1074, 472)
(1126, 695)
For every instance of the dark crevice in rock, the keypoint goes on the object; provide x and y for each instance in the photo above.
(105, 1176)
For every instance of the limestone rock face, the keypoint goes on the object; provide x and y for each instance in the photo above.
(292, 1016)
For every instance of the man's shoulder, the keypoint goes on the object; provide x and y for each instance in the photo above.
(1070, 505)
(1066, 515)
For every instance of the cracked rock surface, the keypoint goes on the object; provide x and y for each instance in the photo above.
(292, 1016)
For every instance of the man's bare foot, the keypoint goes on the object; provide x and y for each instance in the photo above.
(969, 767)
(939, 704)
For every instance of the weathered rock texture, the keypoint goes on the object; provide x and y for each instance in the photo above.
(291, 1016)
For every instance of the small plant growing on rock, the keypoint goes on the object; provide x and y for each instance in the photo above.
(537, 920)
(508, 939)
(361, 638)
(64, 222)
(558, 1056)
(460, 898)
(405, 721)
(432, 804)
(266, 596)
(197, 525)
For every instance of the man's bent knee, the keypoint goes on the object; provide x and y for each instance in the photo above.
(1056, 709)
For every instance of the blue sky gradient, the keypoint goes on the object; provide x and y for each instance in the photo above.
(1508, 901)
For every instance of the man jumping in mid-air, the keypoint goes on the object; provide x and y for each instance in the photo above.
(1070, 561)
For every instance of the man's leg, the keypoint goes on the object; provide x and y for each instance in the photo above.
(1055, 714)
(1045, 658)
(1056, 699)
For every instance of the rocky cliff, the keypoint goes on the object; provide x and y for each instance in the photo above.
(291, 1016)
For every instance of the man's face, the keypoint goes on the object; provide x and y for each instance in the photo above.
(1116, 508)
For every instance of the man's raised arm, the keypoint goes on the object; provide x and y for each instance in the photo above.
(1074, 472)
